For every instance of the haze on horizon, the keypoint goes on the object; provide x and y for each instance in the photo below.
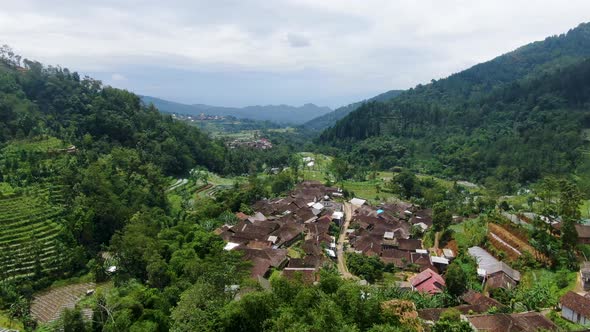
(239, 53)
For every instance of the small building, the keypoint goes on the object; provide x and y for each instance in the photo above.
(575, 308)
(428, 281)
(358, 202)
(496, 274)
(583, 233)
(585, 275)
(337, 217)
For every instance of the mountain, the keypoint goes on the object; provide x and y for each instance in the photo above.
(508, 121)
(282, 114)
(329, 119)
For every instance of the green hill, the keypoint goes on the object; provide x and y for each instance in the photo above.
(505, 122)
(329, 119)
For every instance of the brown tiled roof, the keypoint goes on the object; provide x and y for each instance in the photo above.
(311, 247)
(500, 280)
(259, 267)
(523, 322)
(288, 232)
(583, 231)
(258, 244)
(304, 214)
(276, 257)
(409, 244)
(534, 322)
(576, 303)
(475, 298)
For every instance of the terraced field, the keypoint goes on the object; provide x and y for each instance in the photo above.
(29, 232)
(48, 306)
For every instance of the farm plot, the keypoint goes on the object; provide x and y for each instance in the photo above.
(48, 306)
(512, 244)
(29, 233)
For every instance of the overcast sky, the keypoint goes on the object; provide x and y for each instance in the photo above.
(237, 53)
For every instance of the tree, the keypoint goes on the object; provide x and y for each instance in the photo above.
(198, 309)
(450, 321)
(441, 217)
(456, 279)
(406, 184)
(73, 321)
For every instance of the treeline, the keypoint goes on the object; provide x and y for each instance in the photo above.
(510, 121)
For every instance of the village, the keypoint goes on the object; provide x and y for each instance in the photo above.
(315, 227)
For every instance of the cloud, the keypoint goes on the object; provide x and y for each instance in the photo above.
(296, 40)
(118, 77)
(357, 47)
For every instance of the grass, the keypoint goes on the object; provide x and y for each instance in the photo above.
(6, 322)
(530, 277)
(585, 208)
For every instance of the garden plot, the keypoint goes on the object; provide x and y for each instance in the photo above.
(48, 306)
(512, 244)
(30, 225)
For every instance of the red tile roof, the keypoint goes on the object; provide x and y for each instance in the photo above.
(428, 281)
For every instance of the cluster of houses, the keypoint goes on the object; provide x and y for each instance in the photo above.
(385, 232)
(293, 235)
(200, 117)
(256, 143)
(302, 218)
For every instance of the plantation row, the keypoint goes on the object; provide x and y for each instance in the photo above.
(29, 233)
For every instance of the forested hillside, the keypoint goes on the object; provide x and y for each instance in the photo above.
(330, 119)
(79, 161)
(504, 122)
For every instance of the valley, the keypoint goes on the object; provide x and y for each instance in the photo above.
(461, 205)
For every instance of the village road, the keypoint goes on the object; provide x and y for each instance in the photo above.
(342, 268)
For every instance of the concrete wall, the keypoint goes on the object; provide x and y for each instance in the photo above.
(570, 315)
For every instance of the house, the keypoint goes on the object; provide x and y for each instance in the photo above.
(477, 303)
(338, 216)
(358, 202)
(575, 308)
(496, 274)
(478, 299)
(428, 281)
(585, 275)
(522, 322)
(583, 233)
(409, 244)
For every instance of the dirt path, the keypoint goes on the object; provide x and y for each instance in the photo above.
(340, 245)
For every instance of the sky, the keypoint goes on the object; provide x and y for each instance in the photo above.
(251, 52)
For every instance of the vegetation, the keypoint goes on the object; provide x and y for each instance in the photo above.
(505, 122)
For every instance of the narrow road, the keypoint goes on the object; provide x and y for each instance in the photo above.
(342, 268)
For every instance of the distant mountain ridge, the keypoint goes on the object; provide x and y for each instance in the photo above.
(329, 119)
(282, 114)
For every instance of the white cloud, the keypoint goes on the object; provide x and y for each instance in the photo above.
(118, 77)
(361, 45)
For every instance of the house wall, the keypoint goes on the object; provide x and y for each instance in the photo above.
(570, 315)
